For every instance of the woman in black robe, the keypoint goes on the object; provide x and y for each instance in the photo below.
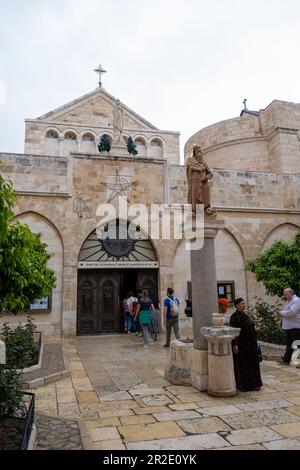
(245, 355)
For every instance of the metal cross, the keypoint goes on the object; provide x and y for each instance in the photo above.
(100, 70)
(245, 103)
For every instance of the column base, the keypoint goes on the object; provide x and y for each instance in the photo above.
(221, 376)
(187, 366)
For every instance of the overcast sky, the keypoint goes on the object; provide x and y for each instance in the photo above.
(183, 65)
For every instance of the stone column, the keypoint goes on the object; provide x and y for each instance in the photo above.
(204, 297)
(221, 381)
(204, 282)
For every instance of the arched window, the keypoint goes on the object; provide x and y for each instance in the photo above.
(88, 137)
(141, 147)
(156, 148)
(52, 134)
(70, 135)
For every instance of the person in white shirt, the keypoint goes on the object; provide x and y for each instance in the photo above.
(290, 322)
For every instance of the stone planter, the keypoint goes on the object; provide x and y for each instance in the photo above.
(21, 428)
(218, 319)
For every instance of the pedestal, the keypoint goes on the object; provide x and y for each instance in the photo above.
(221, 381)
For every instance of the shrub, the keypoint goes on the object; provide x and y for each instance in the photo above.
(266, 320)
(11, 400)
(21, 347)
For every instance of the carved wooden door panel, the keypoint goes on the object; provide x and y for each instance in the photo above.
(108, 295)
(87, 309)
(148, 280)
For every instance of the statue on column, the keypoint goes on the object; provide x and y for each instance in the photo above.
(117, 122)
(198, 175)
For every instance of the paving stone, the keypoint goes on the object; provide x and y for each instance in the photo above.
(175, 415)
(118, 405)
(245, 447)
(188, 398)
(104, 434)
(294, 400)
(294, 409)
(264, 405)
(78, 373)
(57, 433)
(283, 444)
(137, 419)
(122, 395)
(146, 391)
(113, 444)
(252, 436)
(146, 432)
(210, 403)
(150, 410)
(157, 400)
(203, 425)
(184, 406)
(219, 410)
(182, 389)
(288, 430)
(197, 442)
(87, 396)
(252, 419)
(68, 409)
(101, 423)
(108, 414)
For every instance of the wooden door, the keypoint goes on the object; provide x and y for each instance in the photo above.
(147, 279)
(87, 304)
(109, 311)
(98, 309)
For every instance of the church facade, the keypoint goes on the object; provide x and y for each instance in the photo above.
(61, 179)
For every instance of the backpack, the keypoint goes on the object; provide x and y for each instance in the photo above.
(174, 308)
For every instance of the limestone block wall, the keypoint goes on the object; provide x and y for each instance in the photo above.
(242, 189)
(48, 323)
(30, 173)
(268, 142)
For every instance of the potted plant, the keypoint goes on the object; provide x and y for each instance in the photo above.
(16, 411)
(219, 318)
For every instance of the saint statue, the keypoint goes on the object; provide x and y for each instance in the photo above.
(117, 122)
(198, 175)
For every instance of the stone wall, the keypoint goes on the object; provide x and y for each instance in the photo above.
(268, 142)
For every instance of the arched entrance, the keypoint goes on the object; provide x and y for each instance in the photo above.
(107, 270)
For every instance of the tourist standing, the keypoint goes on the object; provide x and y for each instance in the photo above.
(245, 353)
(290, 322)
(171, 316)
(127, 312)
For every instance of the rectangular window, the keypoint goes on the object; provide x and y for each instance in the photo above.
(41, 305)
(226, 290)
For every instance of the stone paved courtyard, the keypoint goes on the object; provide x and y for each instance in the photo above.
(118, 396)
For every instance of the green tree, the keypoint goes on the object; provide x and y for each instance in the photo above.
(278, 266)
(24, 274)
(104, 145)
(131, 147)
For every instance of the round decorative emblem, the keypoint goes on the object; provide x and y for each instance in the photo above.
(118, 247)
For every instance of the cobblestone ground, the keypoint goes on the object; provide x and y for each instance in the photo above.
(119, 397)
(57, 434)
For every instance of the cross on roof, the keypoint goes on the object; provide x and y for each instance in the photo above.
(245, 103)
(100, 70)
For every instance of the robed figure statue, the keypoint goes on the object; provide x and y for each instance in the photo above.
(198, 175)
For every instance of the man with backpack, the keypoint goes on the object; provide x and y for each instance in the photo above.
(171, 314)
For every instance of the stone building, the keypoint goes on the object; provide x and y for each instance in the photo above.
(62, 178)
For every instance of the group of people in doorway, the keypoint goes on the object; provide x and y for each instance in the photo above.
(142, 315)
